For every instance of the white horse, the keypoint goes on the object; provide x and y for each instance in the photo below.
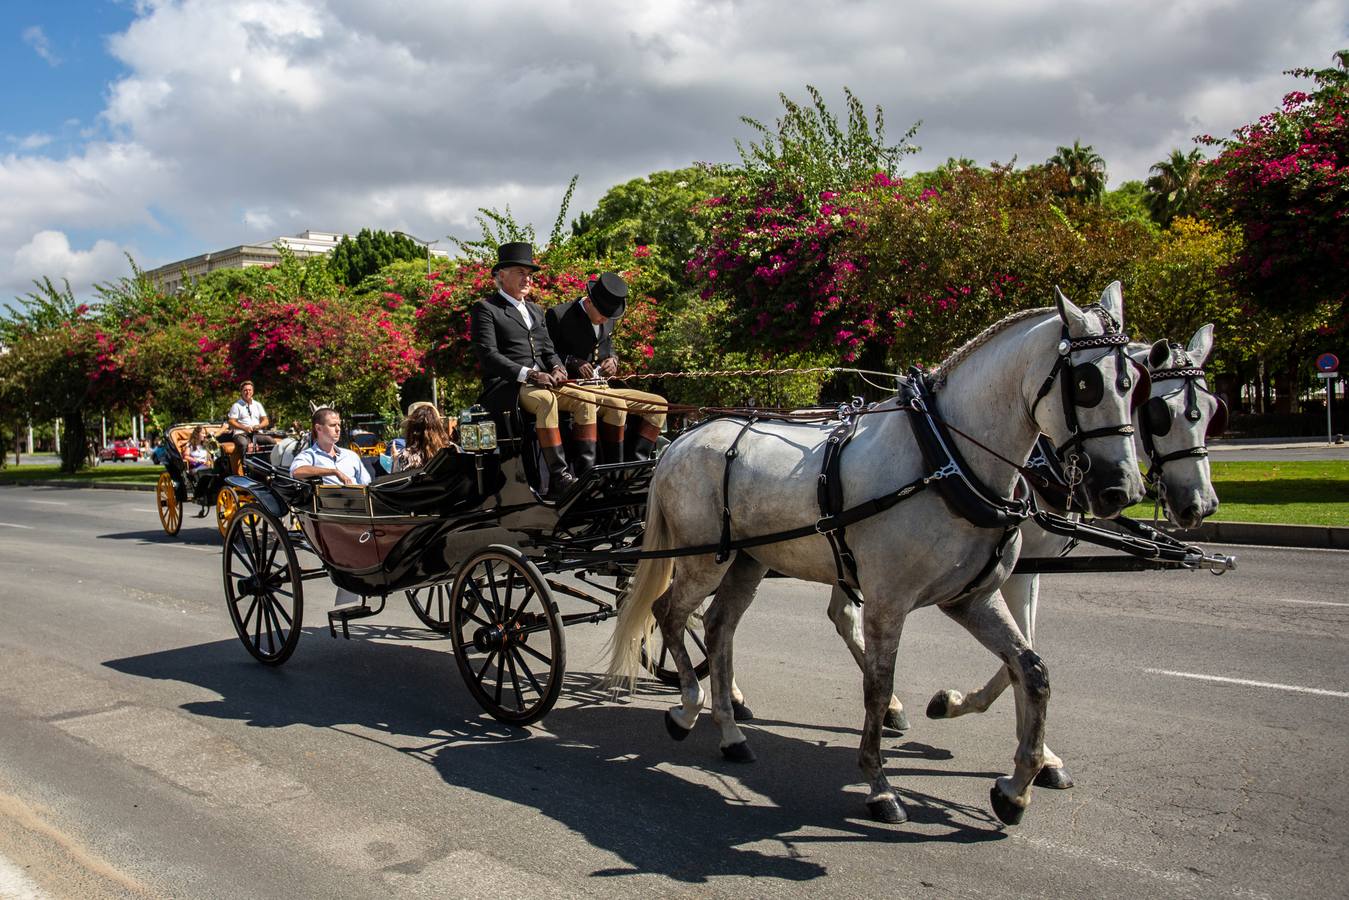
(1171, 430)
(916, 553)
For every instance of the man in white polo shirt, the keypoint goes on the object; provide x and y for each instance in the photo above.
(247, 418)
(323, 458)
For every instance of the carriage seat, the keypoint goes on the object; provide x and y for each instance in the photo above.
(449, 483)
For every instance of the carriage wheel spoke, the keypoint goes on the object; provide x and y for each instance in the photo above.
(696, 639)
(442, 601)
(238, 553)
(546, 660)
(510, 592)
(472, 586)
(519, 660)
(515, 682)
(251, 607)
(282, 611)
(271, 556)
(500, 672)
(487, 661)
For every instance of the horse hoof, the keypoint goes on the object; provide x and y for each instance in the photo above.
(677, 731)
(897, 721)
(738, 752)
(741, 712)
(1006, 811)
(887, 810)
(939, 706)
(1056, 778)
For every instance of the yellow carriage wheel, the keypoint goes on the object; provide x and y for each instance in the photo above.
(226, 505)
(167, 502)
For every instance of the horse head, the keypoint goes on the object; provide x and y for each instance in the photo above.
(1175, 424)
(1088, 418)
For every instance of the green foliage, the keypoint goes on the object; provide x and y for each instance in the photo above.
(1083, 170)
(807, 151)
(499, 227)
(1128, 202)
(356, 258)
(1175, 186)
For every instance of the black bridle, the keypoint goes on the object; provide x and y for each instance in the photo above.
(1157, 418)
(1084, 388)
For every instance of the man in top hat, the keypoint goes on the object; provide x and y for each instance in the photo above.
(581, 331)
(513, 347)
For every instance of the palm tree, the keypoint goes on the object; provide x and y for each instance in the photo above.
(1173, 186)
(1084, 168)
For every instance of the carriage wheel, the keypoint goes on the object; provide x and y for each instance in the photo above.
(507, 635)
(262, 584)
(661, 664)
(432, 605)
(168, 503)
(226, 505)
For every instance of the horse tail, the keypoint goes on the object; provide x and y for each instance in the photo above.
(635, 623)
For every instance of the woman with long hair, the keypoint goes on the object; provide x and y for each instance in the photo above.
(424, 436)
(197, 455)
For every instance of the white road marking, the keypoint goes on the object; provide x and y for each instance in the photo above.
(50, 502)
(15, 885)
(12, 525)
(1322, 692)
(1309, 602)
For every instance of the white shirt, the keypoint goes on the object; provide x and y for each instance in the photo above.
(341, 459)
(248, 414)
(523, 310)
(585, 305)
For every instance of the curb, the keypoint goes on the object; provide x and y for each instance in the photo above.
(1310, 537)
(71, 484)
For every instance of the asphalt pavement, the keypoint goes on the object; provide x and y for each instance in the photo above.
(143, 753)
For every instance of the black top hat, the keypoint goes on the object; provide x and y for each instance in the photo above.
(609, 294)
(516, 253)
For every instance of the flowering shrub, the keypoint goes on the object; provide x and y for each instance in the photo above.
(1284, 180)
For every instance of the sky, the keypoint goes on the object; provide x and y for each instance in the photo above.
(167, 128)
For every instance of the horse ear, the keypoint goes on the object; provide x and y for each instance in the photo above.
(1159, 355)
(1201, 345)
(1070, 314)
(1112, 300)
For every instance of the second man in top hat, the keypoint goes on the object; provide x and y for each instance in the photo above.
(581, 331)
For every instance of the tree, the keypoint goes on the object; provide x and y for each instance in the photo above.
(354, 259)
(1128, 202)
(1174, 186)
(1083, 168)
(1284, 181)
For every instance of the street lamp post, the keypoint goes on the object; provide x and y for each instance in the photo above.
(427, 244)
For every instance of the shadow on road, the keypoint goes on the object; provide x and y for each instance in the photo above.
(203, 535)
(602, 767)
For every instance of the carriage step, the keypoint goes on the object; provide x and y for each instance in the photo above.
(346, 615)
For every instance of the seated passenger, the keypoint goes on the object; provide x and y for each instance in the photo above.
(424, 436)
(196, 455)
(323, 458)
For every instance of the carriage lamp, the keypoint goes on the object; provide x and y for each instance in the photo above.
(468, 436)
(482, 436)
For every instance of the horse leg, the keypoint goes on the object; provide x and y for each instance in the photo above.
(723, 615)
(882, 628)
(691, 584)
(848, 623)
(1020, 593)
(988, 619)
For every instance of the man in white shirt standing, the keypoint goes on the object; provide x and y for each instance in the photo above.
(248, 418)
(323, 458)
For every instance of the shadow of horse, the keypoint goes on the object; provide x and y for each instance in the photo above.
(206, 535)
(603, 768)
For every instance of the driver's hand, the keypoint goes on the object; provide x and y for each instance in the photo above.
(587, 370)
(542, 379)
(559, 375)
(609, 366)
(346, 479)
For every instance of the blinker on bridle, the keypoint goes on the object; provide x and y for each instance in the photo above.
(1084, 387)
(1156, 417)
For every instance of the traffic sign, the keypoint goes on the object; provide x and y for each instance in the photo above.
(1327, 376)
(1327, 362)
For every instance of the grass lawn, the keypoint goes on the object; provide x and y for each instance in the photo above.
(110, 472)
(1298, 492)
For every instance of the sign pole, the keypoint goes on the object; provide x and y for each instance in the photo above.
(1330, 396)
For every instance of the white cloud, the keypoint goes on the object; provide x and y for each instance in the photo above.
(50, 254)
(36, 38)
(244, 119)
(34, 141)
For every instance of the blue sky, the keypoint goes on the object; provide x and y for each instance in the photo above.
(167, 128)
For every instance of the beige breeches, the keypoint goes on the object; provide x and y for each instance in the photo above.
(544, 403)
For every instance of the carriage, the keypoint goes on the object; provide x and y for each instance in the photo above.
(178, 485)
(469, 541)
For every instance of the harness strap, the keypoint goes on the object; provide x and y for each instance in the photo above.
(724, 545)
(829, 494)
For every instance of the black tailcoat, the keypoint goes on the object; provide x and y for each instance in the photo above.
(574, 337)
(503, 344)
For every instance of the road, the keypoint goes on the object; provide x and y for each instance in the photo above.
(143, 753)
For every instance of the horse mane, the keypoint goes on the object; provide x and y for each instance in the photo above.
(964, 350)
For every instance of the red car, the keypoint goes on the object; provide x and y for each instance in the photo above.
(120, 450)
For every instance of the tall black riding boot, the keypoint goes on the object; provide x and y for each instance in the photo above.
(560, 479)
(645, 445)
(583, 449)
(611, 443)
